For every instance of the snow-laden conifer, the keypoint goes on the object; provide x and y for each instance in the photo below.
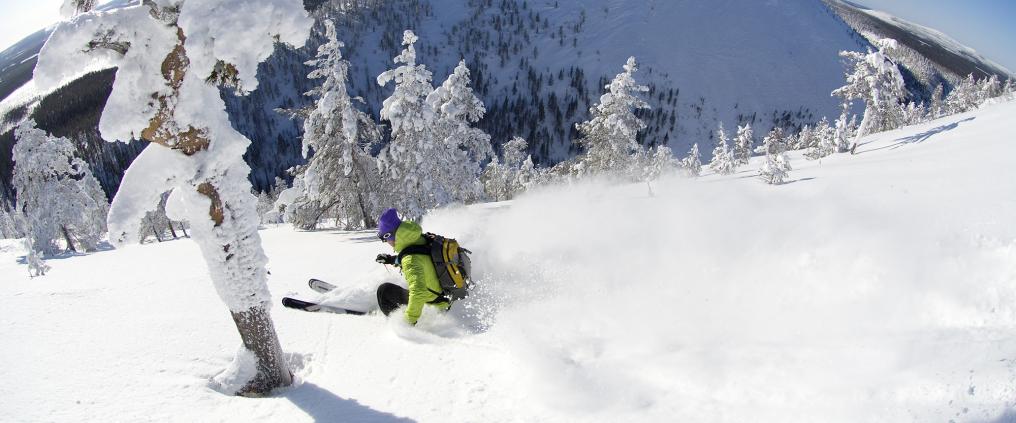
(825, 141)
(1009, 89)
(609, 137)
(460, 147)
(743, 142)
(723, 159)
(408, 164)
(57, 195)
(875, 79)
(964, 97)
(507, 177)
(692, 163)
(937, 107)
(172, 57)
(340, 176)
(776, 166)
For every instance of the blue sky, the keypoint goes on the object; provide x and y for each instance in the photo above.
(988, 26)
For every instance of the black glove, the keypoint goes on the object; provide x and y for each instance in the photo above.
(385, 259)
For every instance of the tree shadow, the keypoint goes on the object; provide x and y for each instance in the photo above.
(797, 180)
(324, 406)
(102, 247)
(918, 138)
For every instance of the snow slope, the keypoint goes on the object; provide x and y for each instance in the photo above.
(879, 287)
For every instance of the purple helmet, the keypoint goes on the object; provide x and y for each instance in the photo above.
(387, 224)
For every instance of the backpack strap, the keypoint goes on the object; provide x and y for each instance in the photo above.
(423, 250)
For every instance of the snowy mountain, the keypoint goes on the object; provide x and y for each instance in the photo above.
(874, 287)
(538, 66)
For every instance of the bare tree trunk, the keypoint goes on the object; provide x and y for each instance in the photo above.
(67, 237)
(184, 230)
(171, 230)
(258, 334)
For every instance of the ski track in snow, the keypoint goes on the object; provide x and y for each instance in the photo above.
(879, 287)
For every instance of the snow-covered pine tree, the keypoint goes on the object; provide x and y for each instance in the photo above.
(461, 147)
(775, 168)
(805, 139)
(71, 8)
(408, 164)
(875, 79)
(33, 258)
(505, 178)
(1009, 89)
(825, 141)
(937, 107)
(722, 162)
(609, 137)
(743, 143)
(692, 163)
(56, 193)
(989, 88)
(341, 176)
(964, 97)
(172, 57)
(660, 161)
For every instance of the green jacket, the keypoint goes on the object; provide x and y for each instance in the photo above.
(418, 270)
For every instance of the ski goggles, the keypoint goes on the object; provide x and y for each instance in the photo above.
(386, 236)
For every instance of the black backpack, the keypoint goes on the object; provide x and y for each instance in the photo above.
(450, 261)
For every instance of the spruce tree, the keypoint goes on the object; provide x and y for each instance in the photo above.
(341, 176)
(875, 79)
(692, 164)
(743, 143)
(408, 163)
(776, 166)
(609, 137)
(461, 147)
(722, 162)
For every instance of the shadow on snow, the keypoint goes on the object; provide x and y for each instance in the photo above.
(324, 406)
(918, 138)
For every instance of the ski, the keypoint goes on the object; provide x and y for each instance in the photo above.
(320, 285)
(317, 308)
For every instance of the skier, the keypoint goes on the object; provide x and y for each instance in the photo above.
(418, 269)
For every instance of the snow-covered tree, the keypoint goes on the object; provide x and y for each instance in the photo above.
(658, 162)
(341, 176)
(57, 194)
(408, 163)
(1009, 89)
(157, 224)
(964, 97)
(512, 174)
(743, 143)
(609, 137)
(775, 168)
(71, 8)
(937, 108)
(723, 158)
(989, 88)
(36, 265)
(825, 141)
(805, 139)
(875, 79)
(692, 163)
(172, 57)
(463, 147)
